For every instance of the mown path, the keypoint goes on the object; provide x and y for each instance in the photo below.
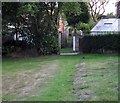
(28, 82)
(61, 78)
(78, 80)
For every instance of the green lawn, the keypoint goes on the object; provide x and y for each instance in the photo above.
(66, 50)
(57, 82)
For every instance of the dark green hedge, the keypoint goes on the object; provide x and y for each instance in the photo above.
(100, 42)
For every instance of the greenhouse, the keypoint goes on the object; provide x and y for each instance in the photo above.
(106, 26)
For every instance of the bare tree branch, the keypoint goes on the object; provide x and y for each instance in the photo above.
(97, 8)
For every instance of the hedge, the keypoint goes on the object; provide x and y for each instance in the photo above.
(100, 42)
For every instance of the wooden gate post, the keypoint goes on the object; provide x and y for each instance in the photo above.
(59, 37)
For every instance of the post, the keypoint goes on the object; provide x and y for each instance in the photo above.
(73, 43)
(59, 36)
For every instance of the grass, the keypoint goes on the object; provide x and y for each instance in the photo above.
(0, 79)
(61, 86)
(101, 79)
(66, 50)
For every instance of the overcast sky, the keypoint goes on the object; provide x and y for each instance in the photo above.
(111, 7)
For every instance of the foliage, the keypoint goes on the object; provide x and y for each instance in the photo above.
(84, 27)
(9, 11)
(92, 23)
(75, 12)
(9, 15)
(28, 8)
(40, 21)
(118, 9)
(45, 31)
(85, 16)
(110, 15)
(100, 42)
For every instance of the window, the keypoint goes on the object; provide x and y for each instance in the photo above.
(107, 23)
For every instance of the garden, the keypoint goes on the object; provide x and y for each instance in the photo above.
(88, 77)
(33, 68)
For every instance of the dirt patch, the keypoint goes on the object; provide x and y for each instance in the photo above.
(28, 83)
(79, 84)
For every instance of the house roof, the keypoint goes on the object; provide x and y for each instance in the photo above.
(104, 25)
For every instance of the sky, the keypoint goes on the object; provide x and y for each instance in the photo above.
(110, 7)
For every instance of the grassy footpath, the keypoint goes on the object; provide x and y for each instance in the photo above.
(101, 79)
(60, 88)
(107, 79)
(102, 76)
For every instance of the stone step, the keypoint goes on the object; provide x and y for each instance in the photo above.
(75, 53)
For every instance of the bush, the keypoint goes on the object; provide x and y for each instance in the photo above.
(100, 42)
(84, 27)
(47, 43)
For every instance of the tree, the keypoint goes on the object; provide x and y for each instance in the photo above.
(97, 8)
(72, 12)
(118, 9)
(110, 15)
(85, 15)
(9, 14)
(76, 12)
(9, 11)
(9, 17)
(84, 27)
(41, 20)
